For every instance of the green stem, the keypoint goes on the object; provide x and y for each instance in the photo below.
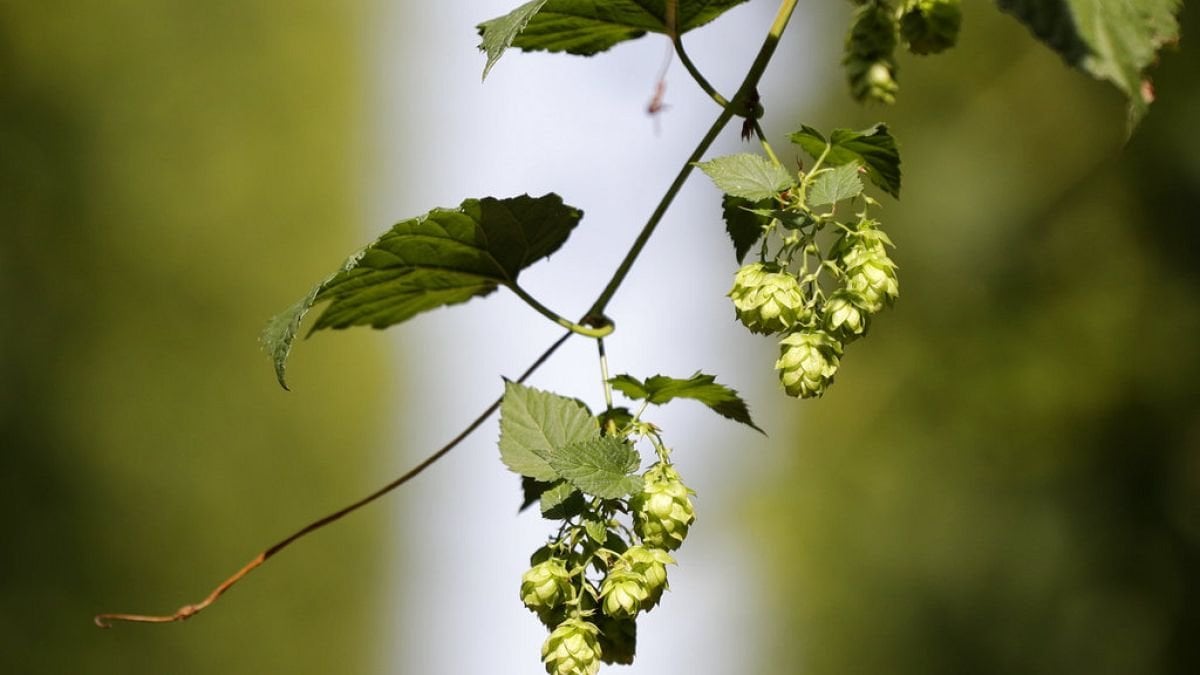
(749, 84)
(587, 331)
(604, 375)
(762, 138)
(696, 75)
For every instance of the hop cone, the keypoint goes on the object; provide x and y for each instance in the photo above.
(766, 301)
(662, 511)
(870, 68)
(874, 282)
(930, 26)
(651, 564)
(846, 315)
(807, 363)
(623, 592)
(545, 585)
(572, 649)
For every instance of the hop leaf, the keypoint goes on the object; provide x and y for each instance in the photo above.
(663, 511)
(807, 362)
(572, 649)
(930, 26)
(765, 300)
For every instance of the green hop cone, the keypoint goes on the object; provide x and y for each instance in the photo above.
(807, 362)
(651, 563)
(546, 585)
(767, 300)
(874, 282)
(870, 45)
(859, 242)
(846, 315)
(623, 593)
(572, 649)
(930, 26)
(663, 510)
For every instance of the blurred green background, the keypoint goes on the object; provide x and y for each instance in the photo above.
(1005, 478)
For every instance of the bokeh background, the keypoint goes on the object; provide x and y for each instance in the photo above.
(1004, 479)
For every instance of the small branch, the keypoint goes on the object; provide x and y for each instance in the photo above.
(188, 611)
(696, 74)
(598, 330)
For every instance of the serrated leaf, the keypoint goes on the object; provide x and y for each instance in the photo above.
(748, 176)
(587, 27)
(745, 226)
(498, 34)
(831, 187)
(561, 501)
(601, 467)
(699, 387)
(535, 424)
(1108, 39)
(444, 257)
(874, 147)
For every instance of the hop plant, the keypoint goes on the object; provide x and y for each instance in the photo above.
(870, 45)
(807, 362)
(663, 510)
(930, 26)
(767, 300)
(573, 648)
(546, 585)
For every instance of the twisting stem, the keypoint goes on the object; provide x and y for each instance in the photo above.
(605, 327)
(595, 315)
(695, 73)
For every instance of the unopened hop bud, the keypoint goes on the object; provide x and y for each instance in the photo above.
(573, 648)
(930, 26)
(807, 362)
(663, 510)
(622, 593)
(546, 585)
(767, 300)
(846, 315)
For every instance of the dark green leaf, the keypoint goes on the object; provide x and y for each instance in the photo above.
(699, 387)
(618, 639)
(534, 425)
(498, 34)
(1110, 40)
(442, 258)
(600, 467)
(531, 491)
(587, 27)
(561, 501)
(748, 176)
(745, 227)
(875, 148)
(831, 187)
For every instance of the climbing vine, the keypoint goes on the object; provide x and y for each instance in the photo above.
(817, 271)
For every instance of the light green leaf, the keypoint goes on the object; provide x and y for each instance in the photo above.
(601, 467)
(831, 187)
(874, 147)
(444, 257)
(587, 27)
(745, 227)
(748, 176)
(535, 424)
(498, 33)
(1114, 40)
(597, 530)
(699, 387)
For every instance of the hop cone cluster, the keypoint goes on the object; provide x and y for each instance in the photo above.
(869, 57)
